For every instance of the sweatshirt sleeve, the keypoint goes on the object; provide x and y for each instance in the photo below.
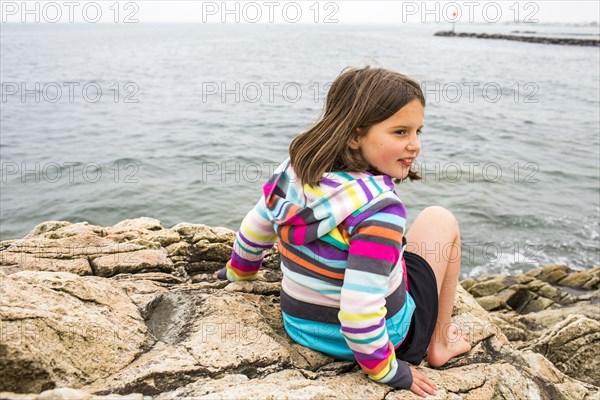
(255, 236)
(375, 247)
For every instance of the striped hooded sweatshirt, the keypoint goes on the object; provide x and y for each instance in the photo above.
(341, 245)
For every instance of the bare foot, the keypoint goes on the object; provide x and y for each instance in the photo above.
(440, 351)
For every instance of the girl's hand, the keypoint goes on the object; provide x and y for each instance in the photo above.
(422, 385)
(220, 274)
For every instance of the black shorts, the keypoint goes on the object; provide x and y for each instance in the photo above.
(422, 286)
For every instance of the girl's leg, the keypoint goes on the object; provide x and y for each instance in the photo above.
(434, 235)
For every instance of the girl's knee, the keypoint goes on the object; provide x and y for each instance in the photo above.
(442, 215)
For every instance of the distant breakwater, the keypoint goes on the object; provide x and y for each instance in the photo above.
(529, 39)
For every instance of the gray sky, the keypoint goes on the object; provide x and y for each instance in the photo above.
(310, 12)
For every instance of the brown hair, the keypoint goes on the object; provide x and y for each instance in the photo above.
(358, 99)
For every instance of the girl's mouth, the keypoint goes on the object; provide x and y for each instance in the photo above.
(407, 161)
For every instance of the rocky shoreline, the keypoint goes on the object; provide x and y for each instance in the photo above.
(131, 312)
(528, 39)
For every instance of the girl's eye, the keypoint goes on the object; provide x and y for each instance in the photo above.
(403, 132)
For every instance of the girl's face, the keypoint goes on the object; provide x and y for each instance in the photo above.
(392, 145)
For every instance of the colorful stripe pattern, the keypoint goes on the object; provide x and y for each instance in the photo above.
(341, 244)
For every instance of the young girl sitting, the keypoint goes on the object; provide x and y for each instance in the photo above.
(350, 287)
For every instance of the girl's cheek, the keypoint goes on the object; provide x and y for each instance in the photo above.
(391, 153)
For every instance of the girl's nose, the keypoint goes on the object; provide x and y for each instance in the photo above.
(414, 144)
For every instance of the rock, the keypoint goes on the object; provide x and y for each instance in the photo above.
(63, 230)
(189, 231)
(180, 251)
(132, 262)
(519, 38)
(144, 293)
(468, 283)
(159, 277)
(194, 327)
(505, 295)
(182, 334)
(271, 275)
(198, 232)
(67, 394)
(550, 273)
(223, 235)
(286, 384)
(588, 280)
(514, 329)
(141, 223)
(60, 329)
(535, 303)
(164, 237)
(521, 298)
(207, 251)
(553, 382)
(522, 293)
(490, 303)
(69, 246)
(47, 226)
(573, 345)
(257, 287)
(161, 368)
(486, 288)
(35, 262)
(542, 320)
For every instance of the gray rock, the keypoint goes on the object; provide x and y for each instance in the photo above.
(490, 303)
(132, 262)
(587, 280)
(142, 223)
(573, 345)
(550, 273)
(489, 287)
(60, 329)
(189, 336)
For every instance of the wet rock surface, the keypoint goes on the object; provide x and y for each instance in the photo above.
(131, 312)
(552, 310)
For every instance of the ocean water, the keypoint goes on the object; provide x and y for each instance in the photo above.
(184, 122)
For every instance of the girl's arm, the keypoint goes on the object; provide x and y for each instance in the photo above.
(255, 236)
(375, 247)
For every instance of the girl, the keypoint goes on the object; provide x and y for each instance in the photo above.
(351, 288)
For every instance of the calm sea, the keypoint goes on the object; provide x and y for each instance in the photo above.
(177, 122)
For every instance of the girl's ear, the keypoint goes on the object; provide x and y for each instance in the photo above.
(354, 141)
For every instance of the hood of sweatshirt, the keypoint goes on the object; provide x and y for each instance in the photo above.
(301, 214)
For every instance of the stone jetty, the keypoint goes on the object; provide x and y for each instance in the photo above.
(528, 39)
